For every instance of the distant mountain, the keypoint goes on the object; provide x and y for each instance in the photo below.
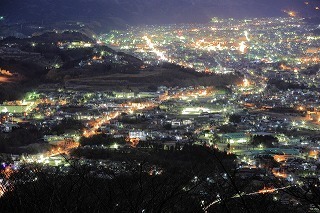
(122, 12)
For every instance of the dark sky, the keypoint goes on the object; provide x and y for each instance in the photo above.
(150, 11)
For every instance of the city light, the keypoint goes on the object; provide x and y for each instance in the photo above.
(246, 82)
(160, 54)
(290, 13)
(242, 47)
(242, 93)
(246, 34)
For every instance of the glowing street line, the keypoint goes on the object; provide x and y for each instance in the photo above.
(262, 191)
(154, 50)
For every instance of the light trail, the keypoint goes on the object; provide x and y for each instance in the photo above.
(97, 124)
(261, 191)
(159, 53)
(4, 79)
(246, 34)
(129, 107)
(3, 190)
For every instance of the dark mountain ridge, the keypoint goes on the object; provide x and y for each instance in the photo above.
(122, 12)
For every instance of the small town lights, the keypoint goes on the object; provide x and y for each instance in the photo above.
(246, 34)
(242, 47)
(290, 13)
(246, 82)
(114, 146)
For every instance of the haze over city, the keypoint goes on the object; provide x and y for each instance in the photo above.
(151, 12)
(159, 106)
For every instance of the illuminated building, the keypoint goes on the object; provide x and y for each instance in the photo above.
(235, 138)
(141, 135)
(17, 109)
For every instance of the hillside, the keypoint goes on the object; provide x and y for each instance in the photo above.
(74, 61)
(150, 78)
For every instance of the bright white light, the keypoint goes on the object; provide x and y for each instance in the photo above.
(5, 110)
(242, 47)
(160, 54)
(246, 34)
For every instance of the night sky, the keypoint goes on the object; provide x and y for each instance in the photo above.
(151, 11)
